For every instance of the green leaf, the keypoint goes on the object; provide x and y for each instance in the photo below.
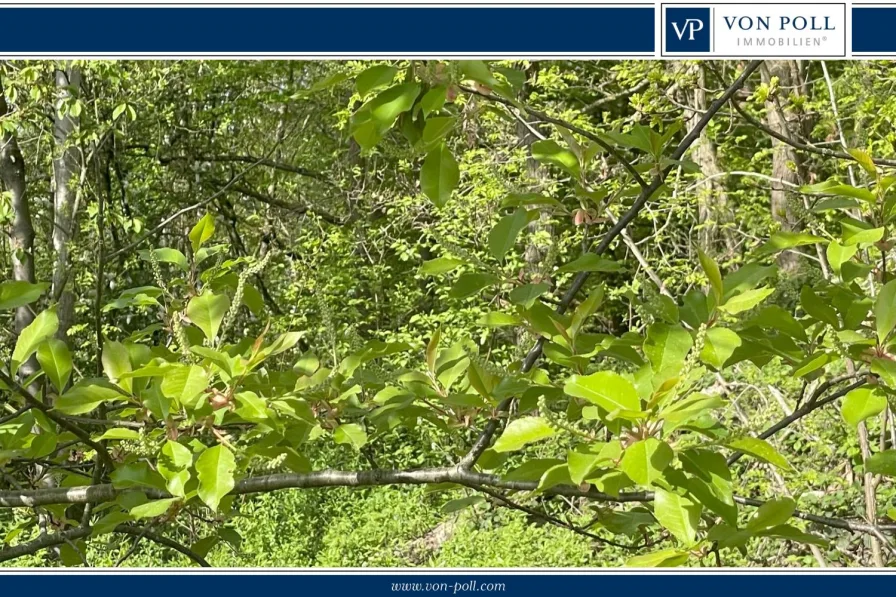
(549, 152)
(667, 347)
(373, 78)
(86, 395)
(214, 468)
(174, 464)
(43, 326)
(527, 294)
(117, 362)
(439, 175)
(386, 107)
(469, 284)
(711, 269)
(590, 262)
(645, 461)
(864, 160)
(18, 294)
(857, 232)
(167, 255)
(719, 345)
(120, 433)
(815, 307)
(606, 389)
(666, 558)
(477, 70)
(433, 100)
(202, 231)
(436, 128)
(838, 254)
(771, 514)
(679, 515)
(861, 403)
(350, 434)
(882, 463)
(184, 383)
(56, 361)
(760, 449)
(783, 240)
(207, 311)
(520, 432)
(832, 187)
(885, 311)
(440, 265)
(153, 509)
(503, 236)
(746, 300)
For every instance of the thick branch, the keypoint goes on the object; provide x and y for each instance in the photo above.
(51, 540)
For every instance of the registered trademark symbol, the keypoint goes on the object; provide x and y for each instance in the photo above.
(824, 38)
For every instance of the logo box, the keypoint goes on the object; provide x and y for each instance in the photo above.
(687, 29)
(753, 30)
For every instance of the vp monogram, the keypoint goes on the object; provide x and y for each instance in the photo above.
(691, 26)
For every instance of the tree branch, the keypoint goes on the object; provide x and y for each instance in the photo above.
(484, 439)
(51, 540)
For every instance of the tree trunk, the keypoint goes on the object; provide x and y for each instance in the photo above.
(66, 173)
(21, 233)
(713, 209)
(785, 162)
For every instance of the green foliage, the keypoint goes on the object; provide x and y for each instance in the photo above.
(363, 298)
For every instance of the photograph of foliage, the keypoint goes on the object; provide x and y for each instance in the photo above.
(448, 313)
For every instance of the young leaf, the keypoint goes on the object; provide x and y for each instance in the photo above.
(645, 461)
(469, 284)
(606, 389)
(17, 294)
(861, 403)
(503, 236)
(43, 326)
(760, 449)
(520, 432)
(202, 231)
(679, 515)
(117, 362)
(885, 311)
(153, 509)
(711, 269)
(746, 300)
(784, 240)
(207, 311)
(214, 468)
(350, 434)
(549, 152)
(174, 464)
(719, 345)
(56, 361)
(439, 175)
(373, 78)
(883, 463)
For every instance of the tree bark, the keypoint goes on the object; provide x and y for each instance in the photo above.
(713, 208)
(66, 171)
(21, 233)
(785, 161)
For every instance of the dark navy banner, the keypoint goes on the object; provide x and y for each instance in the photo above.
(873, 30)
(382, 584)
(296, 30)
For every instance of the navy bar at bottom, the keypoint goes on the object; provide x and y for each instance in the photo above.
(465, 584)
(346, 30)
